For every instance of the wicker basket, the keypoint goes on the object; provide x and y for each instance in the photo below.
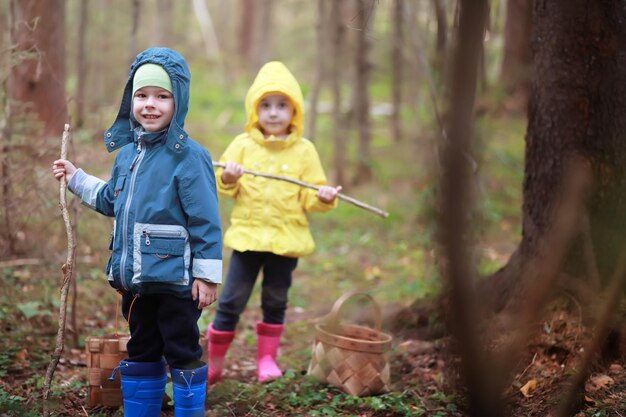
(103, 354)
(350, 357)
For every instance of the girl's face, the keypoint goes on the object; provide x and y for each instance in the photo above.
(275, 113)
(153, 108)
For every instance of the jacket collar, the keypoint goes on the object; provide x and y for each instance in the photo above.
(273, 141)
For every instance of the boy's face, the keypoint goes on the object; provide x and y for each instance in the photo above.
(275, 112)
(153, 108)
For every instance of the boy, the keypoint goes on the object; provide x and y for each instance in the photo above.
(166, 245)
(269, 229)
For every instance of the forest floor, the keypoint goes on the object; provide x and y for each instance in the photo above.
(423, 375)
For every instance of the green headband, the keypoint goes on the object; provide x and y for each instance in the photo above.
(151, 75)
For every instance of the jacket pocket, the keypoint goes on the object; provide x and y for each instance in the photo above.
(162, 258)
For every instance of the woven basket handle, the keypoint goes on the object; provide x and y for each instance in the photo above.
(332, 318)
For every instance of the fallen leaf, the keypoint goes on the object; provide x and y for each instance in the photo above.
(599, 382)
(528, 388)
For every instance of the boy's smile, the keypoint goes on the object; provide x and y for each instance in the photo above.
(153, 108)
(275, 113)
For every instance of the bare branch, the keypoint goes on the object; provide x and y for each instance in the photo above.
(68, 270)
(343, 197)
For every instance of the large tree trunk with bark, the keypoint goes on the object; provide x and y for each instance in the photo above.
(577, 117)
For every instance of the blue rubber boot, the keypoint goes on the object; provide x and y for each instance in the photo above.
(189, 391)
(143, 387)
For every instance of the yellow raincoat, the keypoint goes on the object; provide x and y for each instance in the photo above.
(269, 215)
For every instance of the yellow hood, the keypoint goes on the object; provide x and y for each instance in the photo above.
(274, 77)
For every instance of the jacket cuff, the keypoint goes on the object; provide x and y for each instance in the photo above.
(76, 184)
(208, 269)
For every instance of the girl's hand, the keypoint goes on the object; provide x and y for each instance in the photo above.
(62, 167)
(327, 194)
(231, 173)
(203, 291)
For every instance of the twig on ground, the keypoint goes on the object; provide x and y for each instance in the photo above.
(68, 270)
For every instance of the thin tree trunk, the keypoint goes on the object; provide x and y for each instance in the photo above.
(515, 73)
(442, 27)
(39, 81)
(397, 60)
(134, 28)
(81, 64)
(246, 30)
(320, 67)
(8, 234)
(361, 93)
(165, 21)
(339, 131)
(265, 39)
(480, 381)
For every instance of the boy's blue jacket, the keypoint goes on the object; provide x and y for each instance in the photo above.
(162, 194)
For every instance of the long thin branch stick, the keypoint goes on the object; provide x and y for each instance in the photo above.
(68, 270)
(343, 197)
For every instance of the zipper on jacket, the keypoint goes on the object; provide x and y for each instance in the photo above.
(159, 233)
(135, 164)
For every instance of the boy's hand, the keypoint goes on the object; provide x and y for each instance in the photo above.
(327, 194)
(62, 167)
(232, 172)
(203, 291)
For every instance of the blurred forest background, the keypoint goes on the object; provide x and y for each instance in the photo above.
(491, 131)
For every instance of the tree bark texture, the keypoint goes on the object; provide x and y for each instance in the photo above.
(38, 34)
(577, 109)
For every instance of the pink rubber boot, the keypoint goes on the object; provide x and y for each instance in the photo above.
(219, 342)
(267, 346)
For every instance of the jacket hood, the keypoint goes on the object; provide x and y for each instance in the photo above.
(274, 77)
(121, 132)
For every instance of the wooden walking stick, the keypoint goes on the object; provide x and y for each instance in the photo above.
(340, 196)
(68, 270)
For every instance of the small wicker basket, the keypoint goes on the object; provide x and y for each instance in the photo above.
(103, 354)
(350, 357)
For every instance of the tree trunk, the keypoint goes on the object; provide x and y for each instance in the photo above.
(265, 40)
(442, 26)
(361, 94)
(320, 68)
(246, 30)
(397, 60)
(453, 228)
(577, 111)
(81, 64)
(165, 20)
(134, 28)
(515, 73)
(339, 130)
(38, 34)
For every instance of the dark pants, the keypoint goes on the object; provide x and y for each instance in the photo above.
(242, 274)
(163, 325)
